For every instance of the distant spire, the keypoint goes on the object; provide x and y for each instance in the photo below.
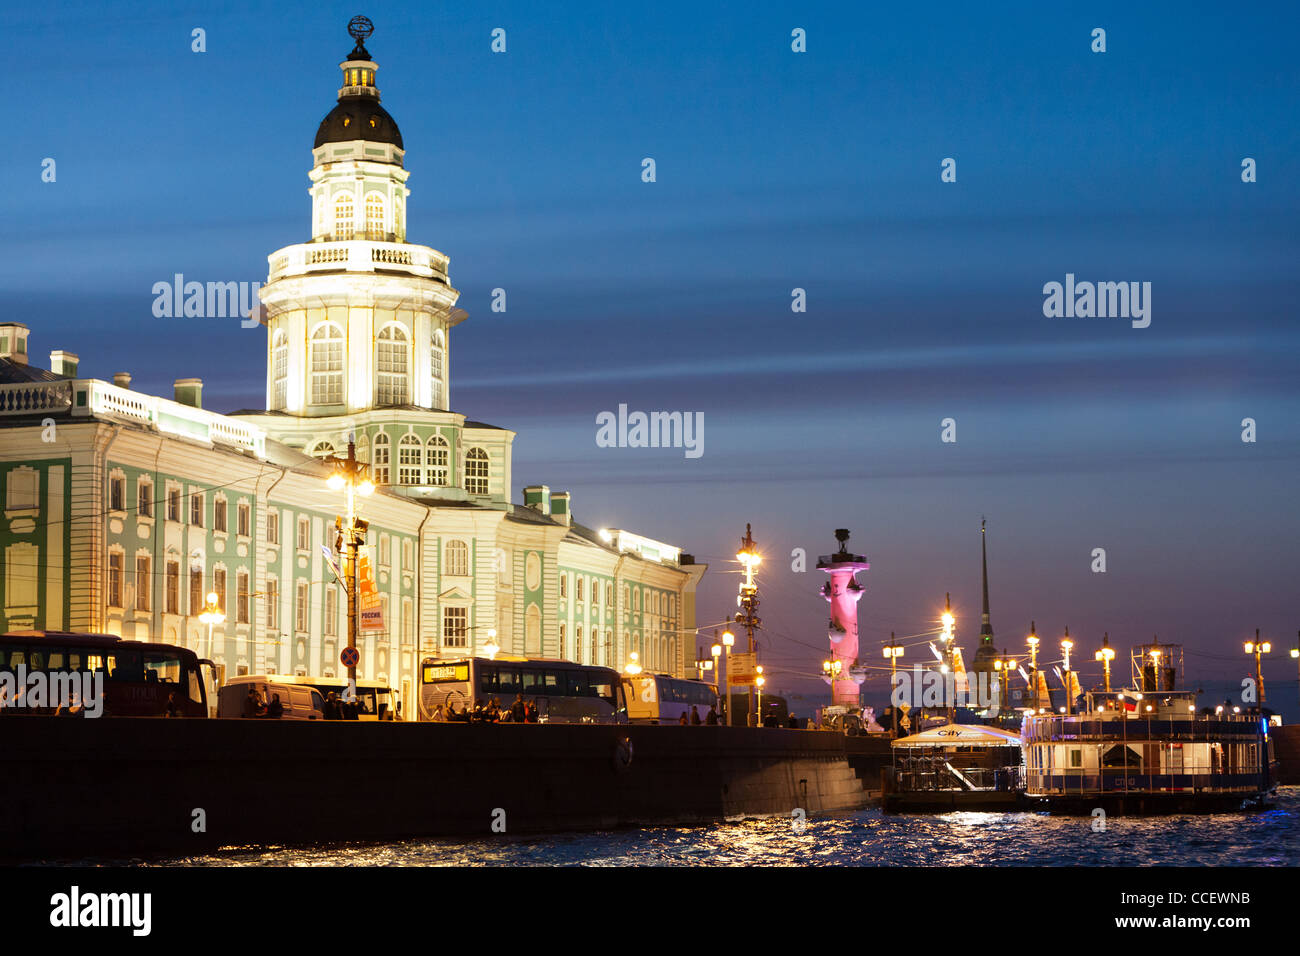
(986, 629)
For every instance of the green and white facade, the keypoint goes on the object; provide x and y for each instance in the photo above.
(123, 510)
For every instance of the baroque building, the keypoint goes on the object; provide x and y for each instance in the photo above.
(122, 510)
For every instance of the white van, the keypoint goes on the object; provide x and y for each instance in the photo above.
(300, 701)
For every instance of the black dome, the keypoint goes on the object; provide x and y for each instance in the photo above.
(358, 117)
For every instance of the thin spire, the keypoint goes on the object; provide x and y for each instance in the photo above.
(986, 628)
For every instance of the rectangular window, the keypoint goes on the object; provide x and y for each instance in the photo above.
(408, 622)
(455, 627)
(272, 604)
(196, 509)
(564, 585)
(331, 611)
(385, 551)
(577, 588)
(595, 592)
(196, 592)
(304, 534)
(115, 579)
(300, 607)
(219, 585)
(173, 504)
(272, 526)
(144, 499)
(244, 519)
(609, 595)
(408, 555)
(219, 515)
(173, 587)
(143, 582)
(117, 494)
(241, 597)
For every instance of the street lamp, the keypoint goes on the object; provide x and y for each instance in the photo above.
(1105, 655)
(350, 474)
(492, 648)
(893, 651)
(1258, 647)
(1295, 655)
(759, 681)
(632, 667)
(210, 615)
(728, 639)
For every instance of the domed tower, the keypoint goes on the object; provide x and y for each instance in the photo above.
(358, 318)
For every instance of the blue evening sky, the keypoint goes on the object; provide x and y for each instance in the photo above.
(775, 170)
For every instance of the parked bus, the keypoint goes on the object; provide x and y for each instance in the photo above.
(565, 692)
(138, 680)
(303, 698)
(660, 699)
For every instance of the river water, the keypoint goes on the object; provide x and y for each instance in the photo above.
(1270, 837)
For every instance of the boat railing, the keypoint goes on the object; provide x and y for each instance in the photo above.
(933, 774)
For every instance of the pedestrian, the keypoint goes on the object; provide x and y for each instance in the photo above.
(251, 704)
(683, 720)
(172, 709)
(275, 709)
(333, 710)
(695, 716)
(517, 709)
(711, 718)
(530, 711)
(793, 722)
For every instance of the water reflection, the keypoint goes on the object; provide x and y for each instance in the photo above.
(868, 838)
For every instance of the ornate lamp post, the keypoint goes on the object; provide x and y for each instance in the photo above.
(1066, 644)
(893, 651)
(350, 475)
(1258, 647)
(1032, 641)
(211, 615)
(1105, 655)
(728, 639)
(759, 681)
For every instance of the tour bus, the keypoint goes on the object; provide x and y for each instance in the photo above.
(303, 698)
(138, 678)
(565, 692)
(660, 699)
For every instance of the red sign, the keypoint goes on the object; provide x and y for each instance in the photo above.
(349, 657)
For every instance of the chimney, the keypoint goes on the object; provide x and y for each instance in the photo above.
(538, 497)
(560, 508)
(189, 391)
(64, 363)
(13, 342)
(122, 379)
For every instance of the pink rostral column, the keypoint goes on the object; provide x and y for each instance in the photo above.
(843, 592)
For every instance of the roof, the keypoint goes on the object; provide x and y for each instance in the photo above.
(961, 735)
(14, 373)
(358, 117)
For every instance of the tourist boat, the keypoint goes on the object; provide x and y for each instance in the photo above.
(1147, 750)
(953, 767)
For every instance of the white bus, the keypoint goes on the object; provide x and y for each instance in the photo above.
(660, 699)
(303, 698)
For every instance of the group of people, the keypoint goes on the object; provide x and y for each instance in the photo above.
(712, 719)
(489, 712)
(254, 705)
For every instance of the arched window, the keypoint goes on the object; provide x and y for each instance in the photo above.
(409, 460)
(392, 366)
(344, 224)
(381, 459)
(476, 472)
(279, 370)
(322, 449)
(363, 449)
(437, 456)
(577, 643)
(457, 558)
(437, 362)
(327, 365)
(375, 217)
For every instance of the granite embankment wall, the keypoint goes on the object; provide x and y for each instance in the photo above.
(129, 786)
